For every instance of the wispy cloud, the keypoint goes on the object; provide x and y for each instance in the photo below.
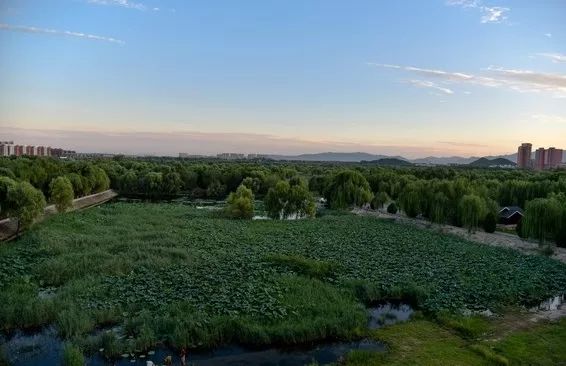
(548, 35)
(517, 80)
(555, 57)
(430, 85)
(490, 14)
(25, 29)
(122, 3)
(552, 119)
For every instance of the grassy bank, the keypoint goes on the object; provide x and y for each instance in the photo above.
(168, 272)
(426, 342)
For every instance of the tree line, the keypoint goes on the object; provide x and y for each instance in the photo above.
(466, 197)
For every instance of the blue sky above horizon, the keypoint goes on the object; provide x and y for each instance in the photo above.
(416, 78)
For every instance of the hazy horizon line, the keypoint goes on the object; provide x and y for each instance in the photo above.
(173, 142)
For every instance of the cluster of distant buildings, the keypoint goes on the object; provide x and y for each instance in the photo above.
(224, 156)
(8, 148)
(550, 158)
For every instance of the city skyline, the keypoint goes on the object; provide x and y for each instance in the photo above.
(153, 77)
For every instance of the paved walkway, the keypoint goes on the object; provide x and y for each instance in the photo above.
(497, 239)
(8, 227)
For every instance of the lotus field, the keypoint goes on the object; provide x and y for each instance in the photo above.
(173, 273)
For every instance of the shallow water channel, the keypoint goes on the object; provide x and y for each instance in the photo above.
(45, 348)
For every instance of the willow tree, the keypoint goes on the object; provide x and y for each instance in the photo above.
(290, 198)
(26, 202)
(471, 210)
(542, 219)
(61, 193)
(348, 188)
(410, 201)
(439, 208)
(240, 204)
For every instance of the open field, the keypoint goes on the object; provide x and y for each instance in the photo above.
(169, 272)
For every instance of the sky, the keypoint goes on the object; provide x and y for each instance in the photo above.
(404, 77)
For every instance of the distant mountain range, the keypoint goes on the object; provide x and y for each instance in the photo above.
(362, 156)
(334, 156)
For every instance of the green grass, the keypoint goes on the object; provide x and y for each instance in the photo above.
(169, 272)
(72, 356)
(542, 345)
(419, 342)
(469, 327)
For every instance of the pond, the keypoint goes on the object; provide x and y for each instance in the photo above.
(45, 348)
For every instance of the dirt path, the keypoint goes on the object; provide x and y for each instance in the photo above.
(497, 239)
(8, 227)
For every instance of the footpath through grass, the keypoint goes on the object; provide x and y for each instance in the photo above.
(168, 272)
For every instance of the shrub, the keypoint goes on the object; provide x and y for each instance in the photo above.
(490, 222)
(392, 208)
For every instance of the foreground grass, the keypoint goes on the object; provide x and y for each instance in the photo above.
(425, 342)
(168, 272)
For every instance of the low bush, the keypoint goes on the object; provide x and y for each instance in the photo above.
(392, 208)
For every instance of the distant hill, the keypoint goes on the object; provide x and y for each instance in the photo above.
(486, 163)
(362, 156)
(458, 160)
(390, 162)
(332, 156)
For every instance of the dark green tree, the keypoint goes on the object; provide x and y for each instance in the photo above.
(472, 210)
(490, 222)
(27, 204)
(61, 193)
(348, 188)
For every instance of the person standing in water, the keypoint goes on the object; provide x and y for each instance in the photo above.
(183, 356)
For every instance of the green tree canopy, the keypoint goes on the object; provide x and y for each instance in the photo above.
(348, 188)
(240, 204)
(5, 185)
(290, 198)
(472, 210)
(26, 202)
(61, 193)
(542, 219)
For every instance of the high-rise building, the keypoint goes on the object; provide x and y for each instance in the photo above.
(540, 158)
(6, 148)
(30, 150)
(40, 151)
(524, 156)
(553, 157)
(19, 150)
